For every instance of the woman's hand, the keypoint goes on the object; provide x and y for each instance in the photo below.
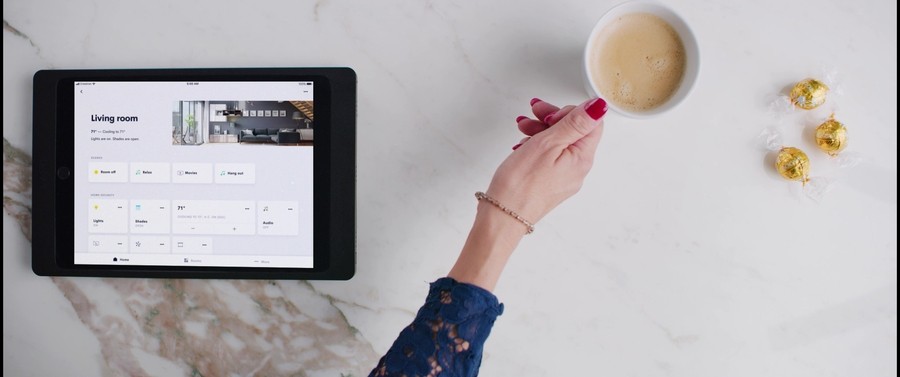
(545, 169)
(549, 166)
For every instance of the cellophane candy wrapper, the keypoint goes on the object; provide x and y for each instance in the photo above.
(771, 139)
(849, 159)
(816, 188)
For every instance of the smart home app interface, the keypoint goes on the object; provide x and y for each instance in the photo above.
(194, 173)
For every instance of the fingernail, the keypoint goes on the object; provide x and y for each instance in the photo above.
(521, 118)
(535, 100)
(547, 118)
(517, 146)
(596, 109)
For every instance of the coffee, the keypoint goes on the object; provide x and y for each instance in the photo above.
(637, 62)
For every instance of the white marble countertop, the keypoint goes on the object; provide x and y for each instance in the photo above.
(684, 254)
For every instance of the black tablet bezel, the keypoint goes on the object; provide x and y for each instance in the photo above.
(334, 173)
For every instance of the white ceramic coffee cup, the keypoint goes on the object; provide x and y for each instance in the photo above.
(691, 50)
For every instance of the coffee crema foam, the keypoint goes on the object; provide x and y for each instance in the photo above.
(637, 62)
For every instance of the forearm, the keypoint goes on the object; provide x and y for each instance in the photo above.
(491, 241)
(448, 333)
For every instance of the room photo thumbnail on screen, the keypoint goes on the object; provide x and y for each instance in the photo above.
(243, 123)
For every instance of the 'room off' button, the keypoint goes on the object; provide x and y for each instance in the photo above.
(108, 172)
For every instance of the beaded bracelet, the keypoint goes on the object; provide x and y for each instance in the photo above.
(480, 195)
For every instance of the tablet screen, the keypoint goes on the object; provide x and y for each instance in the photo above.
(198, 174)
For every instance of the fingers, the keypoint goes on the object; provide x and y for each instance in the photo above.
(577, 127)
(542, 109)
(520, 143)
(546, 114)
(530, 126)
(557, 116)
(578, 123)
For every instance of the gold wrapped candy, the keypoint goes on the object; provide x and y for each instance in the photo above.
(793, 164)
(809, 94)
(831, 136)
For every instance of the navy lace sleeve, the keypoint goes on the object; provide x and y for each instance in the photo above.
(447, 336)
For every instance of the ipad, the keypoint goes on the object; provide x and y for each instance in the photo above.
(195, 173)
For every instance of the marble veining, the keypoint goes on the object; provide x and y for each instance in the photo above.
(216, 328)
(9, 28)
(17, 186)
(200, 327)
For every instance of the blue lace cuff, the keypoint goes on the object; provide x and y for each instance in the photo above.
(447, 336)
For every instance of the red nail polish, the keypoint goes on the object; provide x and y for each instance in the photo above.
(521, 118)
(535, 100)
(517, 146)
(547, 118)
(596, 109)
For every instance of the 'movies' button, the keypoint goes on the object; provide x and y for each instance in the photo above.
(192, 173)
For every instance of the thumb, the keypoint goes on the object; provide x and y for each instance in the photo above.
(579, 122)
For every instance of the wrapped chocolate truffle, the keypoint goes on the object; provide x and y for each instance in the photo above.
(831, 136)
(819, 93)
(809, 94)
(792, 164)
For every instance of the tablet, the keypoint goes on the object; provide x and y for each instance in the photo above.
(195, 173)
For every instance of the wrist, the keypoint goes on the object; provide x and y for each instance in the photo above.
(529, 226)
(493, 237)
(500, 225)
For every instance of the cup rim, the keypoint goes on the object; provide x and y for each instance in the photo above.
(688, 39)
